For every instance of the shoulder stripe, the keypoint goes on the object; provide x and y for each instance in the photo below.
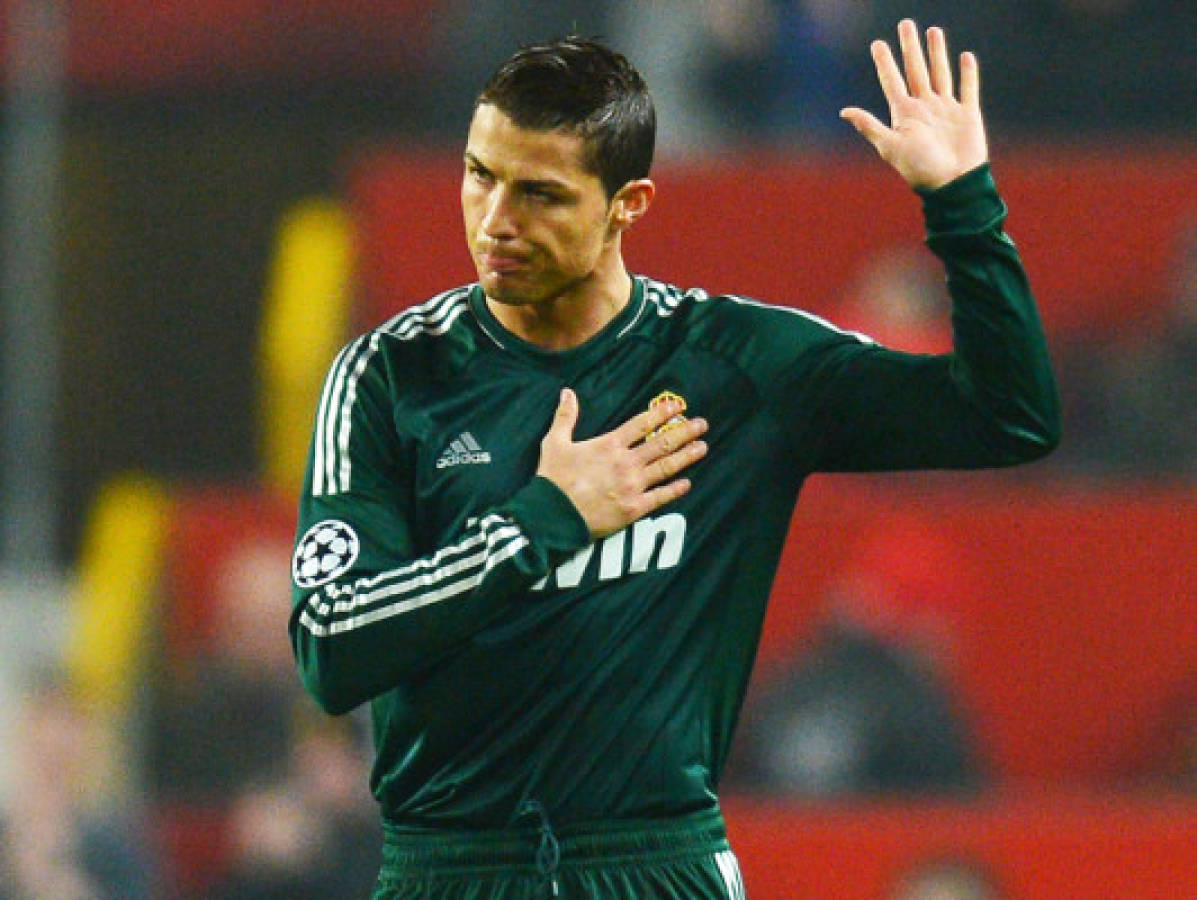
(346, 368)
(434, 316)
(343, 471)
(332, 466)
(802, 313)
(318, 467)
(668, 298)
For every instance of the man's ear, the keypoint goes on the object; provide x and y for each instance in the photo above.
(631, 202)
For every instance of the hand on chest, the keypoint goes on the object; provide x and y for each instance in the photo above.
(479, 440)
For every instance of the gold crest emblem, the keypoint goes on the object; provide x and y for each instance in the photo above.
(675, 420)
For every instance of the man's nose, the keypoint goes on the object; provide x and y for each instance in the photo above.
(499, 220)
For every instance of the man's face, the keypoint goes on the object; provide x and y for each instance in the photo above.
(537, 222)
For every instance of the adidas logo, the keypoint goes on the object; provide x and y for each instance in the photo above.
(464, 451)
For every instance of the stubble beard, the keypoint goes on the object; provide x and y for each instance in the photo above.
(533, 294)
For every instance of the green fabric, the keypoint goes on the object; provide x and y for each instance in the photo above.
(683, 859)
(697, 878)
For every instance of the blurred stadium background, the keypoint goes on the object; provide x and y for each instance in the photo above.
(201, 200)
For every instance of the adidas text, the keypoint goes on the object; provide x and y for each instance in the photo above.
(463, 458)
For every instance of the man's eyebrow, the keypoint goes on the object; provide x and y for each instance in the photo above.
(527, 184)
(542, 184)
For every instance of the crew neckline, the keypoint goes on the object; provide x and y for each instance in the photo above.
(507, 340)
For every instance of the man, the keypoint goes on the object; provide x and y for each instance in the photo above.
(543, 512)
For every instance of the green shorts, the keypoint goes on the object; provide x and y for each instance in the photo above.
(676, 859)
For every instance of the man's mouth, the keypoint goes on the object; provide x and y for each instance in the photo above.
(502, 264)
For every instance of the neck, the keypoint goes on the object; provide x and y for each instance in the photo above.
(570, 318)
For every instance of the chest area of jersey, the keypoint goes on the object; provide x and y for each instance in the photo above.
(476, 439)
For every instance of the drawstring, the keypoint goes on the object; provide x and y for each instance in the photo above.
(548, 854)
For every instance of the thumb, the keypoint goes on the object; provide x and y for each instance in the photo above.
(869, 126)
(566, 416)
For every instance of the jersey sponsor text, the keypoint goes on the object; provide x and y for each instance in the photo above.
(656, 543)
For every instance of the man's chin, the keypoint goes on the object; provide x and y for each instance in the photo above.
(507, 290)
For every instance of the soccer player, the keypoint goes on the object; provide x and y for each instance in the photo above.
(543, 511)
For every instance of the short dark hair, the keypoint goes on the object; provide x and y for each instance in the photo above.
(583, 86)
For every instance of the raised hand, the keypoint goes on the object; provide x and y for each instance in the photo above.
(933, 136)
(623, 475)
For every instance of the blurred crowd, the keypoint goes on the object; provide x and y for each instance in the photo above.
(225, 782)
(1129, 397)
(228, 783)
(780, 70)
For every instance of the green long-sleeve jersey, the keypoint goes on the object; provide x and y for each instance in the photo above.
(509, 657)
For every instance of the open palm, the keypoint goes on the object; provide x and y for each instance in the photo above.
(933, 136)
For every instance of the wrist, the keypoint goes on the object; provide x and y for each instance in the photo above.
(549, 517)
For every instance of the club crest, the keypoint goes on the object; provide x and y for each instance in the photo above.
(675, 420)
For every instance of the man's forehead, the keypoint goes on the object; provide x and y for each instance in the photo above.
(498, 143)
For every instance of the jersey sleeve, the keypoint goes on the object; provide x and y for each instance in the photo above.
(992, 401)
(368, 610)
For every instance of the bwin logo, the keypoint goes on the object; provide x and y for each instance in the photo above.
(658, 539)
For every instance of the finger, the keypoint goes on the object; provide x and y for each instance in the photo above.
(872, 128)
(941, 64)
(671, 440)
(661, 470)
(643, 424)
(917, 78)
(657, 497)
(970, 80)
(890, 77)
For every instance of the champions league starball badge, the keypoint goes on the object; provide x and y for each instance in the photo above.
(325, 551)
